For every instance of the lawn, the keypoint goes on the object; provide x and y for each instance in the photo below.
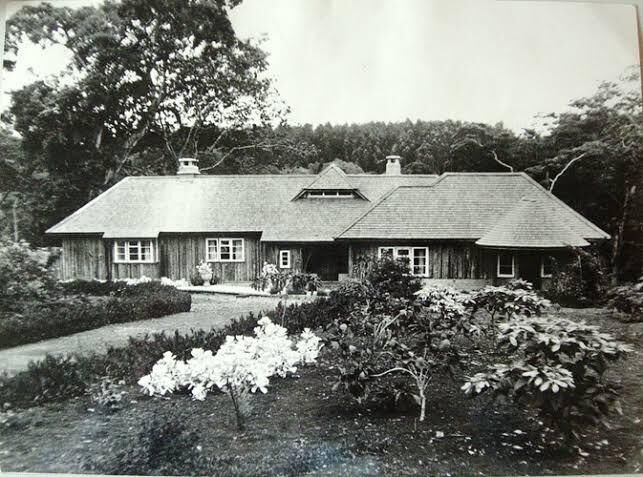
(302, 426)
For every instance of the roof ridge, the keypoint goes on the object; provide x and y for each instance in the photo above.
(375, 204)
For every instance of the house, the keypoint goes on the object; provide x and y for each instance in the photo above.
(466, 229)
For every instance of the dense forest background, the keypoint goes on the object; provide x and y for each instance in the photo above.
(152, 81)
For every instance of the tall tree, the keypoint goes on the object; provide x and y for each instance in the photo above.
(595, 166)
(149, 81)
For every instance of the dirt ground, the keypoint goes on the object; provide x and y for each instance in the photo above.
(301, 427)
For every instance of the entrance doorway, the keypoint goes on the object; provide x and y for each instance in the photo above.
(327, 261)
(529, 269)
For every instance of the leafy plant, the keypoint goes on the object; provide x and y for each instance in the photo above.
(581, 281)
(627, 298)
(162, 447)
(392, 277)
(416, 342)
(24, 276)
(559, 369)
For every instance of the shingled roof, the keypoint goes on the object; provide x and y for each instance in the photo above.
(461, 206)
(533, 223)
(145, 206)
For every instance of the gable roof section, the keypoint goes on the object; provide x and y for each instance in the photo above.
(331, 178)
(458, 206)
(532, 223)
(145, 206)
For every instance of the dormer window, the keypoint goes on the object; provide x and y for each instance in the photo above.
(330, 194)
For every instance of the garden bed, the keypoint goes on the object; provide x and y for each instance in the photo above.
(301, 426)
(82, 306)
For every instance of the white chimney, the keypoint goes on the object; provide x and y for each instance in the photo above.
(393, 166)
(188, 166)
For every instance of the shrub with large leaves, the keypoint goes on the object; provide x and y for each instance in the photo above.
(559, 369)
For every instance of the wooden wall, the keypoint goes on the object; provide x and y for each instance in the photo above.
(270, 254)
(84, 257)
(446, 259)
(179, 254)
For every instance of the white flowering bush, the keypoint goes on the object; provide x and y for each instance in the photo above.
(242, 365)
(558, 368)
(446, 301)
(204, 268)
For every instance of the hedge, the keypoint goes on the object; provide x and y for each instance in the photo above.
(59, 378)
(39, 321)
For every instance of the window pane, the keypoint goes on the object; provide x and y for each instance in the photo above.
(505, 264)
(237, 249)
(224, 249)
(146, 250)
(548, 266)
(419, 261)
(211, 254)
(386, 252)
(133, 251)
(120, 251)
(284, 258)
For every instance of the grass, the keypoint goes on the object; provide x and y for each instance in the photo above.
(302, 427)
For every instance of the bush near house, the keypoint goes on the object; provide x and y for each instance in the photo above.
(43, 320)
(628, 299)
(581, 282)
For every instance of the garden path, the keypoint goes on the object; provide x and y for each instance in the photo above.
(208, 311)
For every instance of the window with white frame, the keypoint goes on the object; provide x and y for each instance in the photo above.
(330, 194)
(505, 268)
(546, 267)
(224, 250)
(418, 258)
(134, 251)
(284, 259)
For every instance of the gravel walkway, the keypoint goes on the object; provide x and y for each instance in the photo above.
(208, 311)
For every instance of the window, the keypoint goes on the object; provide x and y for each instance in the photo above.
(418, 258)
(420, 261)
(284, 258)
(224, 250)
(330, 194)
(505, 265)
(546, 267)
(133, 251)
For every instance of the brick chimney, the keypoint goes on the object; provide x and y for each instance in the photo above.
(188, 166)
(393, 166)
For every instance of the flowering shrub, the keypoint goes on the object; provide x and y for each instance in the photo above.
(559, 370)
(446, 301)
(242, 365)
(204, 268)
(301, 282)
(271, 278)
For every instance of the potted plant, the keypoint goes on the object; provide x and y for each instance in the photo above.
(205, 271)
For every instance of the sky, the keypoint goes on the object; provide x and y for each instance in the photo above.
(353, 61)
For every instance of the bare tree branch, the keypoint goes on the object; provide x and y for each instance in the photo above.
(251, 146)
(495, 156)
(553, 182)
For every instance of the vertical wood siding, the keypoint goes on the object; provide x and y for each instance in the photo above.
(84, 258)
(271, 255)
(456, 260)
(180, 254)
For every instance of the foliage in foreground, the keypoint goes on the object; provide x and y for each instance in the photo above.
(558, 369)
(58, 378)
(242, 365)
